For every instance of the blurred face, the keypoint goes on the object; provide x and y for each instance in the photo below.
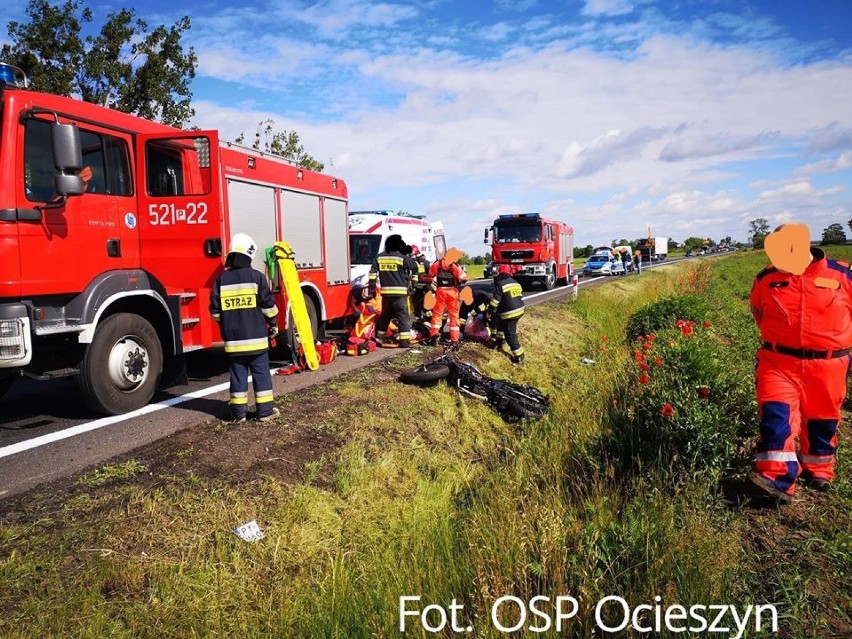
(789, 248)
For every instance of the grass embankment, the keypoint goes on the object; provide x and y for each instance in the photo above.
(426, 492)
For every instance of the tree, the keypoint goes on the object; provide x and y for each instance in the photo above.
(834, 234)
(758, 230)
(283, 143)
(124, 67)
(727, 241)
(693, 243)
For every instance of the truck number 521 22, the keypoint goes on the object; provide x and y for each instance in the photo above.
(166, 214)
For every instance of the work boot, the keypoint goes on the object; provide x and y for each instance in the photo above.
(265, 418)
(818, 484)
(238, 419)
(764, 487)
(517, 360)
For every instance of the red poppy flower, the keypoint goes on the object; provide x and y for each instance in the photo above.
(687, 330)
(604, 338)
(680, 323)
(639, 356)
(703, 392)
(692, 322)
(668, 411)
(647, 345)
(651, 338)
(601, 349)
(707, 324)
(658, 361)
(644, 379)
(644, 367)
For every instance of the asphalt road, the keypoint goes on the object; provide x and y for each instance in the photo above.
(46, 433)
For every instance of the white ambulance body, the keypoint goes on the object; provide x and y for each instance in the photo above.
(368, 231)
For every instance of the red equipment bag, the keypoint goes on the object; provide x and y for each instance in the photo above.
(476, 331)
(356, 346)
(327, 351)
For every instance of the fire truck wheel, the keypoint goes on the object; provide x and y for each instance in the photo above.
(549, 280)
(292, 336)
(122, 365)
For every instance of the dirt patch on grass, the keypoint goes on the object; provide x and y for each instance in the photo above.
(230, 454)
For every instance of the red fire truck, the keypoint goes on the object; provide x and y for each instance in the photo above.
(537, 249)
(112, 232)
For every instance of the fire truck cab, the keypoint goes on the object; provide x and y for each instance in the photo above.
(113, 229)
(536, 248)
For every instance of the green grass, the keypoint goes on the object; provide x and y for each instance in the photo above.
(475, 271)
(430, 493)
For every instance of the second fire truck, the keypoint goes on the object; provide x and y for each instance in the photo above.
(537, 248)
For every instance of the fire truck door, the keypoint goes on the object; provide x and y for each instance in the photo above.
(180, 220)
(72, 243)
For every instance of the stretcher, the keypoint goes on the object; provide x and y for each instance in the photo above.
(301, 320)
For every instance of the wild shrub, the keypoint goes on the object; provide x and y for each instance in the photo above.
(684, 406)
(663, 313)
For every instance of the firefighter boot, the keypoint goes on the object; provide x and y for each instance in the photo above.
(265, 418)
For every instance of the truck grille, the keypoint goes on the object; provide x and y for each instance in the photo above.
(516, 255)
(11, 339)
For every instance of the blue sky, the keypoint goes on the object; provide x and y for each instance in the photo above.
(688, 117)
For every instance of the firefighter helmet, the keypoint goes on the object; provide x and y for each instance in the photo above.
(244, 245)
(504, 269)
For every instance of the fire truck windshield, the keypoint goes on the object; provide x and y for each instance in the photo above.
(517, 233)
(363, 249)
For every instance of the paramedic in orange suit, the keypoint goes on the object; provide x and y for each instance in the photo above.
(446, 276)
(802, 304)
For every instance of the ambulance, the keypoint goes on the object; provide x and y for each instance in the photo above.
(368, 231)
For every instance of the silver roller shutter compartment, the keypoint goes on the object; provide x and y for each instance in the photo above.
(300, 220)
(252, 211)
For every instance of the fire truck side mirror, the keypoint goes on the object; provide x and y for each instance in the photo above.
(67, 153)
(487, 230)
(68, 159)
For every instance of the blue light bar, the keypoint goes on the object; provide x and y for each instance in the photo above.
(520, 216)
(12, 76)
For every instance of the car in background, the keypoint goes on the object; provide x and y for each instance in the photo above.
(598, 264)
(489, 270)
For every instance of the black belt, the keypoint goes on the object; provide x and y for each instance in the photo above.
(805, 353)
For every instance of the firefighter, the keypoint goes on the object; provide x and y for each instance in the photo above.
(242, 304)
(507, 307)
(394, 271)
(446, 276)
(801, 304)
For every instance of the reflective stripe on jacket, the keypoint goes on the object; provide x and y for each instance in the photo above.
(394, 272)
(507, 300)
(242, 304)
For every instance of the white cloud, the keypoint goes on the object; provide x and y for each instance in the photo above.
(840, 163)
(556, 110)
(607, 7)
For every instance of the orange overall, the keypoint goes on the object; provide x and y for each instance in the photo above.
(805, 324)
(446, 279)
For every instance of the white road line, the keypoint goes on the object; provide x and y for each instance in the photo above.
(35, 442)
